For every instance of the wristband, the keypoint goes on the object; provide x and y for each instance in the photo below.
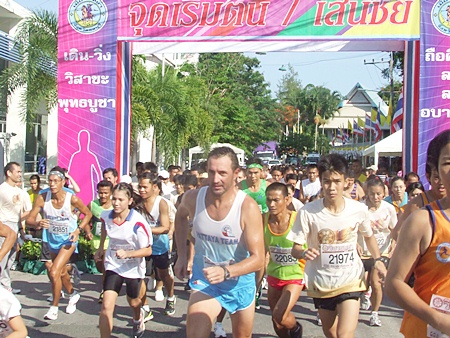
(80, 228)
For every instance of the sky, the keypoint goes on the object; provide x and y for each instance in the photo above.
(335, 70)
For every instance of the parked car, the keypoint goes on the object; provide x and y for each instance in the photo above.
(272, 163)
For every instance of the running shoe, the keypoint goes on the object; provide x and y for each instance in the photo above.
(170, 306)
(139, 327)
(264, 283)
(73, 300)
(52, 313)
(148, 315)
(151, 284)
(257, 305)
(100, 297)
(297, 332)
(13, 291)
(318, 320)
(159, 295)
(374, 320)
(365, 303)
(14, 266)
(76, 274)
(50, 299)
(219, 332)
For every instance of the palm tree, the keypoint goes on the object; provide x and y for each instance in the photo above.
(37, 39)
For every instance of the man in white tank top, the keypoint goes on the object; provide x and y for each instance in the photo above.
(229, 248)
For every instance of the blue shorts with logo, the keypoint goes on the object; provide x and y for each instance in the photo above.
(231, 299)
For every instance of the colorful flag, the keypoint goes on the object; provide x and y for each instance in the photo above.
(397, 119)
(378, 132)
(350, 127)
(361, 123)
(357, 129)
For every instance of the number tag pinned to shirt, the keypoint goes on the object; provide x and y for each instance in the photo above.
(282, 256)
(442, 304)
(338, 255)
(58, 228)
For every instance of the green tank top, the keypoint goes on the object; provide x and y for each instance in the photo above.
(259, 196)
(281, 264)
(97, 210)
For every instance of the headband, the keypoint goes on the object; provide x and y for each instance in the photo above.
(57, 173)
(255, 165)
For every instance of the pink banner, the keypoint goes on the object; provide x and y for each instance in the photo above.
(87, 90)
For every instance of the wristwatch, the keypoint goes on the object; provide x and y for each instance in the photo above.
(226, 273)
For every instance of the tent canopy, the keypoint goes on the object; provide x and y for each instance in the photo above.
(390, 146)
(199, 150)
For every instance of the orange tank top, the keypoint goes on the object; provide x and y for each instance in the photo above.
(432, 271)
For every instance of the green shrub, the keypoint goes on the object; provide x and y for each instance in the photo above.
(31, 250)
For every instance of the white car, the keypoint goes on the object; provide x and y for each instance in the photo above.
(272, 163)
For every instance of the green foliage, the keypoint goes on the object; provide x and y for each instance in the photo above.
(385, 92)
(37, 38)
(31, 250)
(84, 249)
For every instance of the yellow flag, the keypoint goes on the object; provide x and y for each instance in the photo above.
(361, 122)
(374, 114)
(349, 127)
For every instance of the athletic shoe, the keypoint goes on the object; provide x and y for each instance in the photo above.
(365, 303)
(50, 299)
(219, 332)
(297, 332)
(318, 320)
(52, 313)
(374, 320)
(139, 327)
(73, 300)
(76, 274)
(100, 297)
(13, 291)
(159, 295)
(264, 283)
(257, 305)
(148, 315)
(170, 306)
(14, 266)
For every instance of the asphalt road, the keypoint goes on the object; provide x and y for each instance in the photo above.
(84, 322)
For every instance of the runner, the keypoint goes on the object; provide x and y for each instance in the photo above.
(310, 186)
(383, 219)
(229, 248)
(111, 174)
(104, 192)
(423, 249)
(330, 225)
(61, 233)
(352, 189)
(130, 240)
(398, 197)
(156, 211)
(35, 187)
(284, 273)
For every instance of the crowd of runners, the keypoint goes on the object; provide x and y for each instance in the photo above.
(343, 233)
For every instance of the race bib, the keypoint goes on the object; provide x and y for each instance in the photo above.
(58, 228)
(441, 304)
(117, 247)
(207, 263)
(98, 228)
(282, 256)
(5, 329)
(338, 255)
(381, 239)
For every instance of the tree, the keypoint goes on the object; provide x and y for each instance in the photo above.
(37, 39)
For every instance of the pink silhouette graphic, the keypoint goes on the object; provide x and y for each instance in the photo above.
(85, 168)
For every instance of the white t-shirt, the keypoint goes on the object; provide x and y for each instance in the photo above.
(9, 308)
(133, 234)
(297, 204)
(338, 269)
(382, 221)
(12, 200)
(311, 188)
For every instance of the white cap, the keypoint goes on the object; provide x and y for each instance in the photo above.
(164, 174)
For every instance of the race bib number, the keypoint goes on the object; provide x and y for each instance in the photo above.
(338, 255)
(125, 247)
(207, 263)
(5, 330)
(98, 228)
(381, 239)
(282, 256)
(441, 304)
(58, 228)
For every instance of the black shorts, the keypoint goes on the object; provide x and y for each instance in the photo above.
(45, 252)
(161, 262)
(114, 282)
(370, 262)
(331, 303)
